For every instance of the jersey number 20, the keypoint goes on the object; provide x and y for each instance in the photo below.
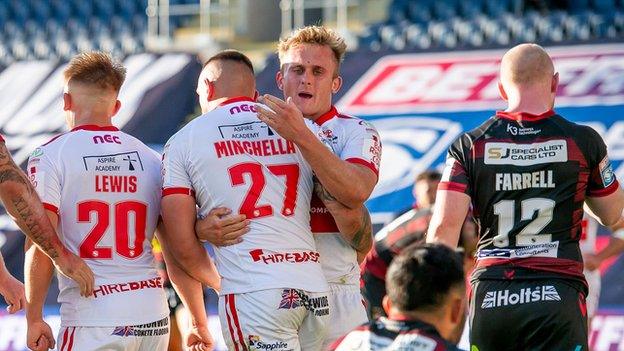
(121, 214)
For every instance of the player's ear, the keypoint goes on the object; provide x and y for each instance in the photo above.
(457, 309)
(555, 83)
(386, 304)
(67, 100)
(210, 88)
(117, 107)
(336, 84)
(501, 91)
(279, 79)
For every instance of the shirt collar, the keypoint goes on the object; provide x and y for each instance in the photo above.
(96, 128)
(326, 116)
(236, 99)
(524, 116)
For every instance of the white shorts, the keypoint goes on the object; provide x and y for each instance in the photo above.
(145, 337)
(274, 319)
(593, 281)
(348, 311)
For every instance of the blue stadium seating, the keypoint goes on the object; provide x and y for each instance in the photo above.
(424, 24)
(48, 29)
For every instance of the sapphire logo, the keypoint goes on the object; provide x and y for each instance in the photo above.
(500, 298)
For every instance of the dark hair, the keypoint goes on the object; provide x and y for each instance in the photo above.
(420, 278)
(231, 55)
(429, 174)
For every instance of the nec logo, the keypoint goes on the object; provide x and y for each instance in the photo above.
(107, 138)
(243, 108)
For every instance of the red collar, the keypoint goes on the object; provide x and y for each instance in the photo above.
(326, 116)
(93, 127)
(236, 99)
(524, 116)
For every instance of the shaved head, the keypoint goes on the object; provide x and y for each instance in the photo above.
(526, 65)
(226, 74)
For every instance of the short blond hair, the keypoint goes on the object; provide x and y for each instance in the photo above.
(314, 35)
(97, 69)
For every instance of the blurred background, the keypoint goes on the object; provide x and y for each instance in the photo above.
(422, 71)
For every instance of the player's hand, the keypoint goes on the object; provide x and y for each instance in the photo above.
(76, 269)
(13, 292)
(199, 339)
(39, 336)
(222, 228)
(285, 118)
(591, 261)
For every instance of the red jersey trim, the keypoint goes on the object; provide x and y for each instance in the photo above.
(363, 162)
(93, 127)
(1, 139)
(237, 99)
(606, 191)
(326, 116)
(452, 186)
(178, 190)
(50, 207)
(524, 116)
(545, 264)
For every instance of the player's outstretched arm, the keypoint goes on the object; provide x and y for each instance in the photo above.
(614, 248)
(38, 271)
(350, 183)
(23, 204)
(178, 240)
(606, 209)
(449, 214)
(11, 289)
(354, 225)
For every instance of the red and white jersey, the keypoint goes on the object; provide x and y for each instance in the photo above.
(352, 140)
(227, 157)
(104, 186)
(589, 231)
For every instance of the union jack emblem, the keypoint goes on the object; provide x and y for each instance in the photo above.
(123, 331)
(290, 299)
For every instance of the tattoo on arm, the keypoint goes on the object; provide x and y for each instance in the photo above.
(33, 224)
(22, 204)
(362, 239)
(322, 193)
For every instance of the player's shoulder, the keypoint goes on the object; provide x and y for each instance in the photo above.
(351, 122)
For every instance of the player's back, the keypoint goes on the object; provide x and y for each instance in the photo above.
(104, 186)
(229, 158)
(528, 182)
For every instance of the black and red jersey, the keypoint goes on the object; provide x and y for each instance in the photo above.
(527, 177)
(393, 335)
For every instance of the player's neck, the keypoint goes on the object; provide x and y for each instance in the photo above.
(92, 119)
(534, 103)
(429, 318)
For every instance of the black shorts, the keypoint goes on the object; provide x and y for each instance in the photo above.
(546, 314)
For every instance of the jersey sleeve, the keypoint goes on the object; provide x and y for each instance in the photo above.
(45, 178)
(602, 180)
(363, 146)
(175, 173)
(455, 176)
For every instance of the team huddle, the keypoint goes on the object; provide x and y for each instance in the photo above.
(286, 179)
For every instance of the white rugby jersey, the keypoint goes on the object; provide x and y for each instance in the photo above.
(227, 157)
(105, 187)
(589, 231)
(353, 140)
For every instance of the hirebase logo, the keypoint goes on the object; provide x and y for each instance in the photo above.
(256, 344)
(526, 154)
(258, 255)
(500, 298)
